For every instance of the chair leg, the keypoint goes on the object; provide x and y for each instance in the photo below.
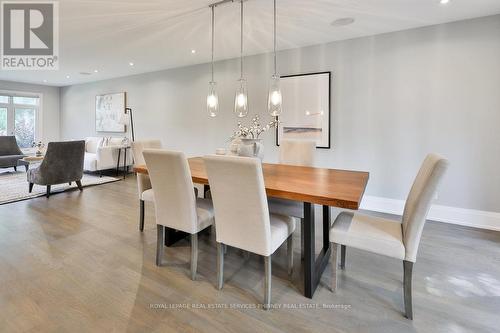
(31, 187)
(408, 271)
(194, 255)
(220, 265)
(141, 215)
(79, 184)
(15, 168)
(267, 284)
(342, 256)
(69, 183)
(333, 262)
(48, 191)
(289, 248)
(27, 167)
(160, 243)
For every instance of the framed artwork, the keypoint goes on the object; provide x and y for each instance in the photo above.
(109, 109)
(306, 108)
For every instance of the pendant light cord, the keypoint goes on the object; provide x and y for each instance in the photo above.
(241, 45)
(213, 34)
(275, 71)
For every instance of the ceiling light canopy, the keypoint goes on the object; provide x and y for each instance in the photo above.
(341, 22)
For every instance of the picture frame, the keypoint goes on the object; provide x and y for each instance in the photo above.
(109, 109)
(306, 108)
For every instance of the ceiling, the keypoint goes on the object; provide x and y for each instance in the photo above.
(106, 35)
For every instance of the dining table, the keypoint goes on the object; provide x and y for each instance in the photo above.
(309, 185)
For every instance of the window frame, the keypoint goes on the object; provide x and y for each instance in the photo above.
(11, 112)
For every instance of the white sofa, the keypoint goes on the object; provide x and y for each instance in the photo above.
(101, 153)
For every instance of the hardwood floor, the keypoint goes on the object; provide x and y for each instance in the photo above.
(77, 262)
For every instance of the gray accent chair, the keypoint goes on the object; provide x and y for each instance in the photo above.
(10, 154)
(63, 163)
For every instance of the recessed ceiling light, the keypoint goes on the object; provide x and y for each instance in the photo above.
(193, 51)
(444, 2)
(131, 63)
(343, 21)
(96, 71)
(67, 76)
(44, 81)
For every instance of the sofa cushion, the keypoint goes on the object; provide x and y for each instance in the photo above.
(90, 162)
(10, 160)
(92, 144)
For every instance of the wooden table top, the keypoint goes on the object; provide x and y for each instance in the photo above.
(330, 187)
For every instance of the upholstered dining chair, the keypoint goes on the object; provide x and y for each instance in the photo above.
(143, 181)
(394, 239)
(176, 204)
(242, 217)
(300, 153)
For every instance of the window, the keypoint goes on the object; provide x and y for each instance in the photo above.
(3, 121)
(18, 116)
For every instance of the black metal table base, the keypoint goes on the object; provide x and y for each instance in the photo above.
(314, 266)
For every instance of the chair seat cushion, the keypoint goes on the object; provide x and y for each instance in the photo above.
(148, 195)
(205, 213)
(373, 234)
(282, 226)
(286, 207)
(11, 160)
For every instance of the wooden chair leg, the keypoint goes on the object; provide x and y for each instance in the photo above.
(31, 187)
(333, 263)
(141, 215)
(48, 191)
(160, 243)
(79, 184)
(342, 256)
(407, 277)
(194, 255)
(267, 284)
(220, 265)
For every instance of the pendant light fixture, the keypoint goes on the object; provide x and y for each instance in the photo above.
(241, 96)
(212, 98)
(274, 100)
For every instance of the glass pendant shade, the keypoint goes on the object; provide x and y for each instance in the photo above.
(241, 99)
(274, 100)
(212, 100)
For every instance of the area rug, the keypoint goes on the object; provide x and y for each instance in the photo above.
(14, 187)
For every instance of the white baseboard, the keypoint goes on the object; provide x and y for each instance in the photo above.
(461, 216)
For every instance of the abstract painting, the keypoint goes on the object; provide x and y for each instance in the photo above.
(306, 108)
(109, 109)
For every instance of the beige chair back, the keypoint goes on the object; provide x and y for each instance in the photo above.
(419, 202)
(240, 203)
(175, 202)
(143, 182)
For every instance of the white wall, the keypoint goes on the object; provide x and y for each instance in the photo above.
(395, 97)
(50, 106)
